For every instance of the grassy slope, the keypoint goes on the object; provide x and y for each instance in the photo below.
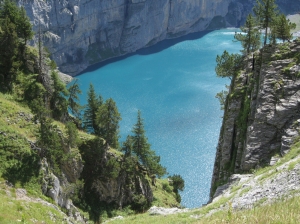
(26, 210)
(16, 128)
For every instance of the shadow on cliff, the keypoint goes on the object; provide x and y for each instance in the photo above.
(160, 46)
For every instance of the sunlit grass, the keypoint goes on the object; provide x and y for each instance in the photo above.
(13, 210)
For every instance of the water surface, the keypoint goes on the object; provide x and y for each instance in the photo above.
(174, 85)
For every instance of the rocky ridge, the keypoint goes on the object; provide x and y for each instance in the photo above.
(261, 118)
(81, 33)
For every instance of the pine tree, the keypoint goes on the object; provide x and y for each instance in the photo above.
(73, 100)
(227, 64)
(72, 134)
(127, 147)
(139, 137)
(108, 118)
(9, 63)
(58, 101)
(142, 149)
(24, 26)
(251, 39)
(89, 117)
(266, 13)
(16, 30)
(283, 28)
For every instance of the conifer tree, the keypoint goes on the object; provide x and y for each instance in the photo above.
(283, 28)
(16, 30)
(266, 13)
(142, 149)
(127, 146)
(72, 134)
(108, 118)
(24, 26)
(251, 39)
(73, 100)
(227, 64)
(8, 54)
(58, 101)
(89, 117)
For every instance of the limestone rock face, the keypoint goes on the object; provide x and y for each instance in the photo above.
(81, 33)
(262, 113)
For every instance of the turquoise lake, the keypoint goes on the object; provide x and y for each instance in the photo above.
(174, 85)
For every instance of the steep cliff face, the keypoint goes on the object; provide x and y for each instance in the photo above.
(262, 113)
(81, 33)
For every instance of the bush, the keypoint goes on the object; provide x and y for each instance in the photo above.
(177, 182)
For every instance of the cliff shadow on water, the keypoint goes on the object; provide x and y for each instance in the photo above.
(158, 47)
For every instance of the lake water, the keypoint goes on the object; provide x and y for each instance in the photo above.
(174, 85)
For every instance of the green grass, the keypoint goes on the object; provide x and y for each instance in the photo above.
(20, 164)
(163, 194)
(283, 211)
(13, 210)
(12, 119)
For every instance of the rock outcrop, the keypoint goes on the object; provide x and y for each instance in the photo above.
(262, 113)
(115, 180)
(246, 191)
(81, 33)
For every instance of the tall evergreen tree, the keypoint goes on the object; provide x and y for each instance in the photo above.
(16, 30)
(283, 28)
(251, 39)
(266, 13)
(108, 118)
(142, 149)
(58, 101)
(227, 64)
(139, 137)
(127, 147)
(9, 62)
(24, 26)
(73, 100)
(90, 113)
(72, 134)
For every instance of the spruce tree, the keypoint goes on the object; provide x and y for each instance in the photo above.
(266, 13)
(142, 149)
(73, 100)
(89, 117)
(24, 26)
(227, 64)
(127, 146)
(15, 31)
(283, 28)
(9, 63)
(251, 39)
(72, 134)
(58, 101)
(107, 119)
(139, 137)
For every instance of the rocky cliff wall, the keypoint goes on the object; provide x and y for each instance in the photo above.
(79, 33)
(262, 114)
